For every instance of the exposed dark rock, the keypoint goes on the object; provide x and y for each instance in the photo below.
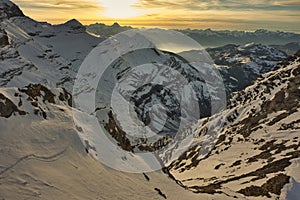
(67, 97)
(209, 189)
(291, 126)
(88, 146)
(9, 9)
(273, 185)
(3, 38)
(218, 166)
(236, 163)
(35, 90)
(254, 191)
(160, 193)
(146, 177)
(8, 108)
(117, 133)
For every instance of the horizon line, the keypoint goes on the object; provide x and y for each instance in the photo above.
(157, 26)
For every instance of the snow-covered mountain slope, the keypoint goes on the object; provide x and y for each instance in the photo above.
(38, 52)
(257, 153)
(241, 65)
(42, 156)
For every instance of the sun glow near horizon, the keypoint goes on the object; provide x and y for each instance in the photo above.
(280, 15)
(123, 9)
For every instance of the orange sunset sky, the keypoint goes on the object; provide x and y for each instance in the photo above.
(281, 15)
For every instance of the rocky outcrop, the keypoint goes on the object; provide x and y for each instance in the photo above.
(37, 90)
(9, 9)
(3, 38)
(8, 108)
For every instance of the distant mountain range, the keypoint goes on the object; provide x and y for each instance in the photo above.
(286, 41)
(103, 30)
(213, 38)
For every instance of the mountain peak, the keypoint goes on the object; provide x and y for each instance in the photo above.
(73, 23)
(8, 9)
(116, 24)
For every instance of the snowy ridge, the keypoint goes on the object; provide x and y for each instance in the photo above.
(258, 145)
